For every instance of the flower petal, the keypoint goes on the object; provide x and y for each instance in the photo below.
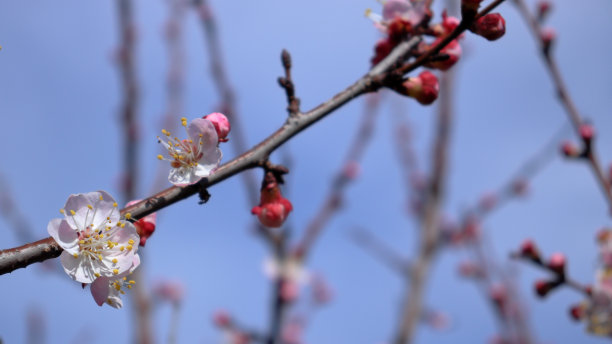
(182, 176)
(80, 268)
(64, 235)
(100, 290)
(204, 127)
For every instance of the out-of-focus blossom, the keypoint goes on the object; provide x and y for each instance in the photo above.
(452, 49)
(491, 26)
(95, 240)
(291, 269)
(424, 88)
(273, 208)
(171, 291)
(194, 157)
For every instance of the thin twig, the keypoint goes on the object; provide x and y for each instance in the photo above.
(566, 100)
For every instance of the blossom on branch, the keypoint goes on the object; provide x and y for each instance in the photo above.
(95, 240)
(194, 157)
(273, 208)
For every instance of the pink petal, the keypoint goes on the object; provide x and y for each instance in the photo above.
(100, 290)
(64, 235)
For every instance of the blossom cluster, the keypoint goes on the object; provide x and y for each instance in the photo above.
(402, 19)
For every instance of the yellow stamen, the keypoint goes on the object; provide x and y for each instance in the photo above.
(90, 207)
(72, 212)
(131, 242)
(101, 199)
(160, 157)
(75, 255)
(115, 260)
(115, 204)
(129, 247)
(61, 211)
(96, 274)
(128, 216)
(116, 271)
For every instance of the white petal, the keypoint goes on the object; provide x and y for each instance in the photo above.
(204, 127)
(209, 161)
(64, 235)
(182, 176)
(80, 268)
(75, 203)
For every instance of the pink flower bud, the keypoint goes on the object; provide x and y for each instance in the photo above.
(470, 269)
(491, 26)
(557, 263)
(547, 36)
(587, 132)
(289, 291)
(222, 319)
(520, 187)
(530, 250)
(499, 295)
(423, 88)
(452, 49)
(351, 170)
(448, 24)
(222, 125)
(569, 149)
(488, 201)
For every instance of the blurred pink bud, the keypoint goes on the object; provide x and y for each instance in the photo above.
(544, 8)
(273, 208)
(557, 263)
(488, 201)
(491, 26)
(222, 319)
(547, 36)
(569, 149)
(292, 332)
(449, 23)
(520, 187)
(470, 269)
(221, 123)
(423, 88)
(530, 250)
(289, 291)
(351, 170)
(498, 294)
(321, 292)
(587, 132)
(171, 291)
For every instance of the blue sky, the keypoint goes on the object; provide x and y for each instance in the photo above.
(59, 99)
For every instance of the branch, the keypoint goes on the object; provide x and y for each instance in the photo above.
(566, 100)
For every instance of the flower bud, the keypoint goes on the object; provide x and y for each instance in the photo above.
(487, 202)
(289, 291)
(491, 26)
(569, 149)
(543, 287)
(547, 36)
(448, 24)
(452, 49)
(145, 226)
(423, 88)
(577, 312)
(557, 263)
(222, 319)
(221, 123)
(587, 132)
(520, 187)
(273, 208)
(544, 8)
(529, 250)
(382, 48)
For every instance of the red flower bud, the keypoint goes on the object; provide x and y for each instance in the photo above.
(145, 226)
(529, 250)
(423, 88)
(452, 49)
(289, 291)
(221, 123)
(273, 208)
(543, 9)
(520, 187)
(577, 312)
(543, 287)
(382, 48)
(547, 36)
(491, 26)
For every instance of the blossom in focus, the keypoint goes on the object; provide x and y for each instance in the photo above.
(145, 226)
(95, 240)
(109, 289)
(273, 208)
(194, 157)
